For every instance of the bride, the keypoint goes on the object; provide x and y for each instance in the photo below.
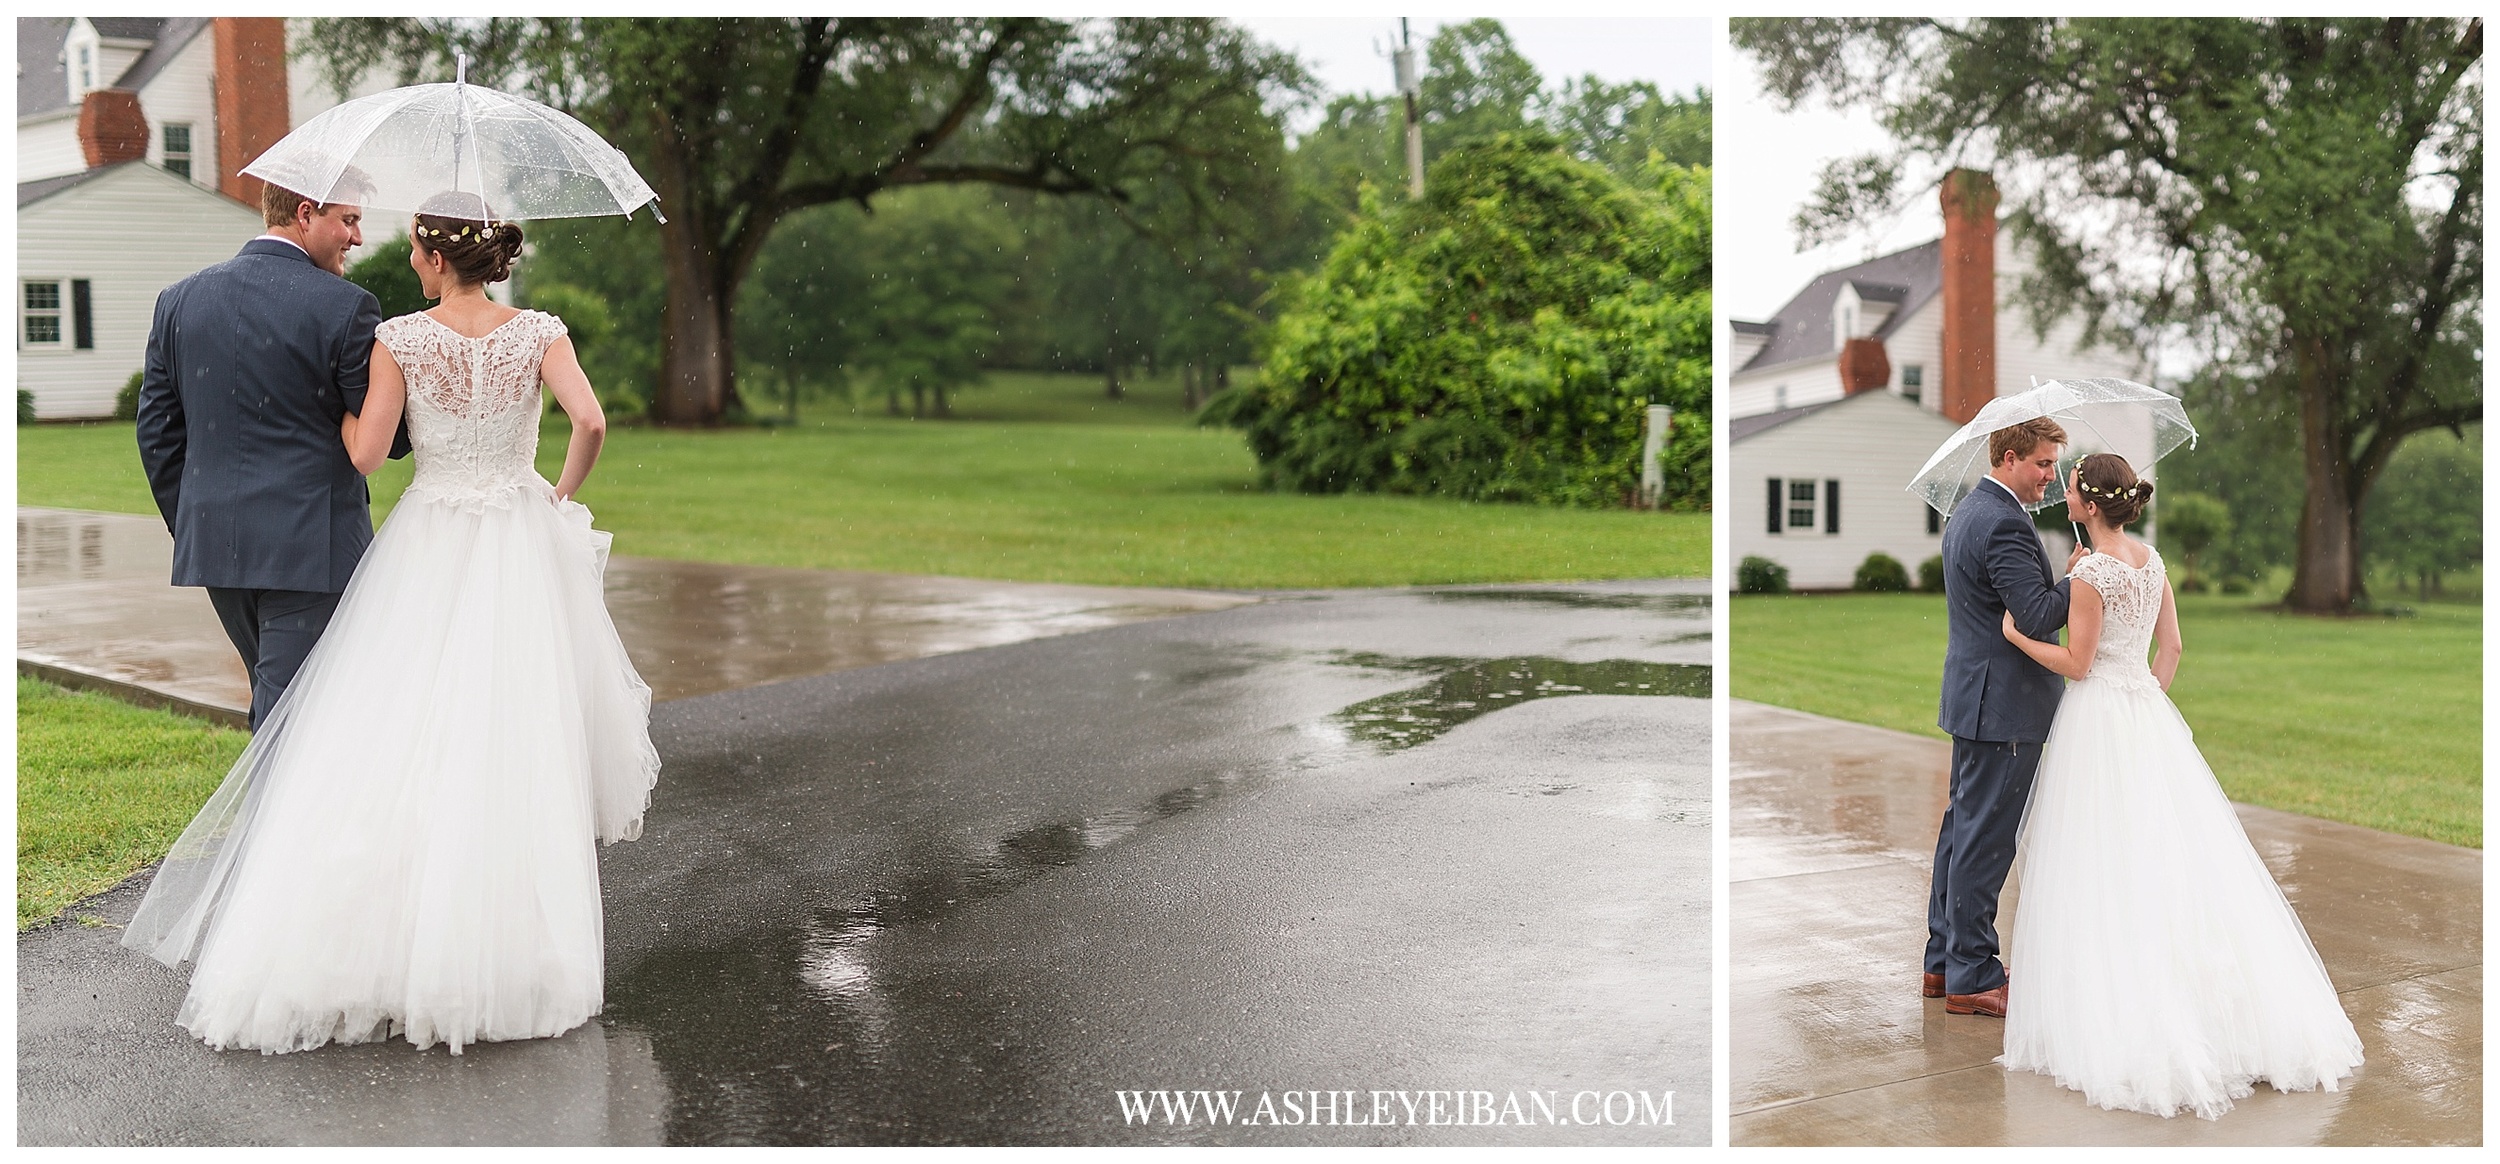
(2163, 971)
(407, 844)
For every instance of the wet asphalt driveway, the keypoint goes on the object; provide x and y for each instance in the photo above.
(1401, 841)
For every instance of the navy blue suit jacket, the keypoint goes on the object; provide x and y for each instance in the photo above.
(1994, 562)
(251, 366)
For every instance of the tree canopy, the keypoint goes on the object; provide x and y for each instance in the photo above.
(738, 123)
(2301, 199)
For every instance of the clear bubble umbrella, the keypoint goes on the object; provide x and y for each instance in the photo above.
(2141, 423)
(399, 149)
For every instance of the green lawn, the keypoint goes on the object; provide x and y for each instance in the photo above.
(103, 788)
(2372, 721)
(1040, 480)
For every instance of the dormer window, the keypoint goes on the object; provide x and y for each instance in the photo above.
(178, 147)
(81, 71)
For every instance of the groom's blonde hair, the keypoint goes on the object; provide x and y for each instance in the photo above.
(2022, 438)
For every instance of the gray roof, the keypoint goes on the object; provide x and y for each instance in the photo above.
(42, 77)
(1745, 426)
(171, 40)
(1802, 328)
(126, 27)
(37, 191)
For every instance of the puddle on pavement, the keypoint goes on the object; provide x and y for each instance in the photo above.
(1466, 688)
(1667, 604)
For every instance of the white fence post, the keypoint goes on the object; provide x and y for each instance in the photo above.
(1653, 476)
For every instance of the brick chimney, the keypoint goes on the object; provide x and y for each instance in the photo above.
(1863, 365)
(1969, 379)
(111, 127)
(250, 86)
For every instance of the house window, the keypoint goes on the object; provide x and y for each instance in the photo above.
(1913, 380)
(1801, 505)
(178, 147)
(82, 74)
(1935, 520)
(43, 313)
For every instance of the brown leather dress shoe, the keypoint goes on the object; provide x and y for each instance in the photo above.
(1990, 1003)
(1931, 986)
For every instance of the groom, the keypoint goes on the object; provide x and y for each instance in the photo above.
(251, 366)
(1997, 706)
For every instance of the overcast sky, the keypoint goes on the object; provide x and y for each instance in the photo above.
(1348, 54)
(1766, 164)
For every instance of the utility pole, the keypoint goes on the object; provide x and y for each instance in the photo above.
(1410, 86)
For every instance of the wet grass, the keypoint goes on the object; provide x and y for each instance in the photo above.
(103, 788)
(1042, 481)
(2372, 721)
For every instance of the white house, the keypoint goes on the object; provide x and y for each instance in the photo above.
(87, 287)
(1836, 401)
(1812, 490)
(131, 135)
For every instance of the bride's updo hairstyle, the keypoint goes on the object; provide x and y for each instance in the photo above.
(478, 250)
(2109, 482)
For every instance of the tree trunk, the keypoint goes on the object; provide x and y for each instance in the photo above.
(1189, 387)
(1111, 378)
(2323, 572)
(697, 365)
(939, 391)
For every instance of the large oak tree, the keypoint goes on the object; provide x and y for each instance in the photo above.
(738, 123)
(2302, 196)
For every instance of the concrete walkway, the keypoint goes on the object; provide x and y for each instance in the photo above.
(94, 610)
(1832, 827)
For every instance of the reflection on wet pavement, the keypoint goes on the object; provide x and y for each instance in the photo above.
(1832, 828)
(1466, 688)
(93, 602)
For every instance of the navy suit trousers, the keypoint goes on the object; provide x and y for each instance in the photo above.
(1974, 851)
(273, 630)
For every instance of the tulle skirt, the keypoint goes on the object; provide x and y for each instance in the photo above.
(2161, 969)
(408, 844)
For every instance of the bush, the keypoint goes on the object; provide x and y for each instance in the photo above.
(1500, 339)
(25, 406)
(126, 401)
(1759, 575)
(386, 273)
(2235, 586)
(1931, 575)
(1881, 573)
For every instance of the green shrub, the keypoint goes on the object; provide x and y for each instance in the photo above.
(1759, 575)
(25, 406)
(1931, 575)
(1881, 573)
(1500, 339)
(126, 401)
(386, 273)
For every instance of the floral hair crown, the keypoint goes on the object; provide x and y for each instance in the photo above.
(2130, 493)
(484, 231)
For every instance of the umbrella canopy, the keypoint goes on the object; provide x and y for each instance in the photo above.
(395, 150)
(2141, 423)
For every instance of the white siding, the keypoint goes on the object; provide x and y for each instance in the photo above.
(183, 91)
(1807, 382)
(1920, 340)
(1873, 443)
(87, 233)
(49, 148)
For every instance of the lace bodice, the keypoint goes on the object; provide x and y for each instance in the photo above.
(472, 406)
(2130, 605)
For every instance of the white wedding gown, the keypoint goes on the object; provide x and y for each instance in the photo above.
(407, 844)
(2161, 968)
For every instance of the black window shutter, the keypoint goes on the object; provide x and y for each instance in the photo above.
(1935, 520)
(1831, 505)
(1779, 505)
(81, 313)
